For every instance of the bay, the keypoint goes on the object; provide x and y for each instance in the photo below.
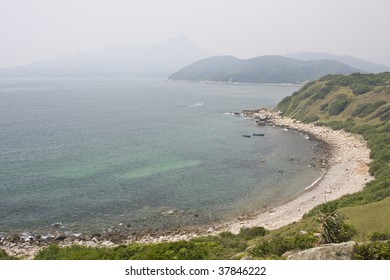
(148, 154)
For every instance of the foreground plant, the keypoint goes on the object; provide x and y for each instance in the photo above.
(333, 226)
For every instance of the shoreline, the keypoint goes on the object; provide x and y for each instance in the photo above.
(346, 173)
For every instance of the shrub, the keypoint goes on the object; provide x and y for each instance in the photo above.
(249, 233)
(364, 110)
(277, 246)
(324, 107)
(181, 250)
(377, 250)
(347, 125)
(380, 236)
(309, 119)
(5, 256)
(305, 87)
(359, 110)
(333, 227)
(229, 240)
(321, 94)
(361, 88)
(385, 116)
(339, 105)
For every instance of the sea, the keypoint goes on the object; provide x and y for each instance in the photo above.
(89, 154)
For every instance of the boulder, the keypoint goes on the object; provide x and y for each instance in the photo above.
(334, 251)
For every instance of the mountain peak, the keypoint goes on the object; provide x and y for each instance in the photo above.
(180, 39)
(155, 60)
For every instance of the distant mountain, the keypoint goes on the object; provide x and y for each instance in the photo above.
(358, 63)
(262, 69)
(158, 60)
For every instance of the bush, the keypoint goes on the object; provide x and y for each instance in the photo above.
(182, 250)
(277, 246)
(333, 227)
(385, 117)
(361, 88)
(347, 125)
(380, 236)
(5, 256)
(324, 107)
(377, 250)
(249, 233)
(359, 110)
(339, 105)
(323, 92)
(309, 119)
(364, 110)
(232, 241)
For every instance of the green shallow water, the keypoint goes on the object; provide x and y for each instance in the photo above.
(93, 153)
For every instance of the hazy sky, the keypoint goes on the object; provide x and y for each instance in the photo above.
(32, 30)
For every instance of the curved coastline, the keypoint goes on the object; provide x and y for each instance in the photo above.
(346, 172)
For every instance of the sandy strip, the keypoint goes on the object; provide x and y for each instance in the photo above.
(347, 173)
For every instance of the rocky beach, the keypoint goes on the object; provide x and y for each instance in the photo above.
(346, 172)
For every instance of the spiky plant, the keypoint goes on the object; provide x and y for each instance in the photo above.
(333, 226)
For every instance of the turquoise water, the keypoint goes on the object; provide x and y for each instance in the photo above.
(93, 153)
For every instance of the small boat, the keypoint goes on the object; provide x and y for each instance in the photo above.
(258, 134)
(246, 135)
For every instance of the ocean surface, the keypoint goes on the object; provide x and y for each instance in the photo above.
(144, 154)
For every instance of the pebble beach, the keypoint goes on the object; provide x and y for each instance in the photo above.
(346, 173)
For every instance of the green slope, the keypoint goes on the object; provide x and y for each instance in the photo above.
(358, 103)
(262, 69)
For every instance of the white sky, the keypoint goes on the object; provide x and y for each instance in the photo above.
(32, 30)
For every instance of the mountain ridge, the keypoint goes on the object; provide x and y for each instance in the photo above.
(260, 69)
(139, 60)
(358, 63)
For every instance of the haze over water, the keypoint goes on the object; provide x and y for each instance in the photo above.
(150, 154)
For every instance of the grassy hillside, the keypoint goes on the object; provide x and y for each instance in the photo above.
(365, 222)
(358, 103)
(262, 69)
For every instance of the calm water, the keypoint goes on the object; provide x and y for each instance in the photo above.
(93, 153)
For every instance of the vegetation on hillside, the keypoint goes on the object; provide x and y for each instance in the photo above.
(357, 103)
(223, 246)
(5, 256)
(333, 225)
(262, 69)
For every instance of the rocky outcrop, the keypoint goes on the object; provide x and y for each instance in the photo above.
(334, 251)
(261, 116)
